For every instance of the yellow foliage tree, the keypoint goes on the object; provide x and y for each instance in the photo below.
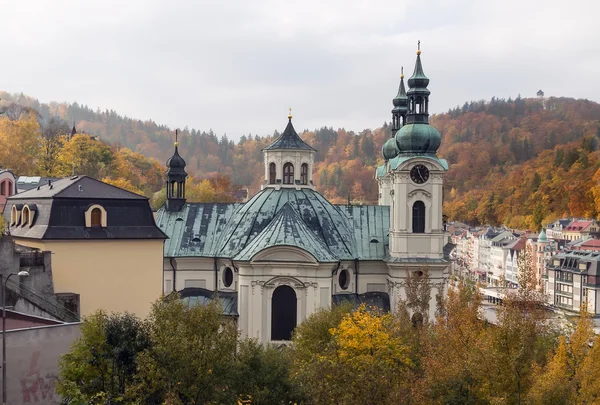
(20, 144)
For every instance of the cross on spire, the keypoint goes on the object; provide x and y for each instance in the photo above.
(419, 45)
(176, 136)
(290, 113)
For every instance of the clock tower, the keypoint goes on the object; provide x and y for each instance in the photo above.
(417, 235)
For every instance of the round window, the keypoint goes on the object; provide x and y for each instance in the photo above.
(227, 277)
(344, 279)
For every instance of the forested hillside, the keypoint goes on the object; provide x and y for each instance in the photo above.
(517, 162)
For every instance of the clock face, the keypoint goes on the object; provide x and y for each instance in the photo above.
(419, 174)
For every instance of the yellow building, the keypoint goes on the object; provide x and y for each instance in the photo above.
(104, 241)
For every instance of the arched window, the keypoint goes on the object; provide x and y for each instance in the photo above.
(3, 188)
(96, 217)
(304, 173)
(25, 216)
(288, 173)
(418, 217)
(283, 316)
(272, 173)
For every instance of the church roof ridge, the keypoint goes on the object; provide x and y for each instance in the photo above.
(288, 229)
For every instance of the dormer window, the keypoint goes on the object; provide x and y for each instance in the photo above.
(95, 217)
(304, 173)
(272, 173)
(288, 173)
(15, 214)
(25, 216)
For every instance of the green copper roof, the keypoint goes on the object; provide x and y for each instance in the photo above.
(418, 138)
(389, 150)
(277, 217)
(543, 237)
(400, 101)
(397, 161)
(418, 80)
(380, 171)
(193, 231)
(288, 229)
(371, 225)
(322, 217)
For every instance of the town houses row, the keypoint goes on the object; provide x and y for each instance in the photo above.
(562, 260)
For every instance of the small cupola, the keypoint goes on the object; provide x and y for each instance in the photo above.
(289, 160)
(175, 177)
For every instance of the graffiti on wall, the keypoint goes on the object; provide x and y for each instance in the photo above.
(35, 386)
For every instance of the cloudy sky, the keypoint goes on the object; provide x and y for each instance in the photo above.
(236, 65)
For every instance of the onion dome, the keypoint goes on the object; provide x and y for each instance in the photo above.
(390, 149)
(542, 237)
(176, 164)
(417, 136)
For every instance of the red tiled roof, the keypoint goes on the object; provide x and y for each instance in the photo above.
(578, 225)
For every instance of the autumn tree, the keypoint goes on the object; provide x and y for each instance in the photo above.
(54, 134)
(20, 144)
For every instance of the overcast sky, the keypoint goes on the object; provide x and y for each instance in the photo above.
(237, 65)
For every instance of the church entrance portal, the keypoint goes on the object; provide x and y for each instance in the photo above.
(283, 315)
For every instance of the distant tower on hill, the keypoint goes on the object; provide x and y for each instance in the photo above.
(540, 95)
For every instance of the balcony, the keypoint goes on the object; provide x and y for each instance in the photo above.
(564, 293)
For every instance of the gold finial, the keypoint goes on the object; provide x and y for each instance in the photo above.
(419, 47)
(402, 72)
(290, 113)
(176, 133)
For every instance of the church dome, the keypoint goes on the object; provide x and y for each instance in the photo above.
(389, 149)
(325, 220)
(418, 138)
(542, 237)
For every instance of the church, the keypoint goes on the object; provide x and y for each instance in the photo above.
(287, 252)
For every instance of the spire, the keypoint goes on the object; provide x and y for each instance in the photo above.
(175, 177)
(290, 113)
(74, 130)
(418, 94)
(417, 136)
(400, 105)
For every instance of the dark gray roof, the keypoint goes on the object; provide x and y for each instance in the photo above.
(288, 229)
(77, 187)
(60, 212)
(289, 140)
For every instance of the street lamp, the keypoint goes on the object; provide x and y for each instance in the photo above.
(22, 273)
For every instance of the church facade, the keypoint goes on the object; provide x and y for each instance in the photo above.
(287, 252)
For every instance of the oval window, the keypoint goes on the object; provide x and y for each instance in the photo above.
(344, 279)
(227, 277)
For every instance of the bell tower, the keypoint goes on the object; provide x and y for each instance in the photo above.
(289, 161)
(175, 177)
(417, 237)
